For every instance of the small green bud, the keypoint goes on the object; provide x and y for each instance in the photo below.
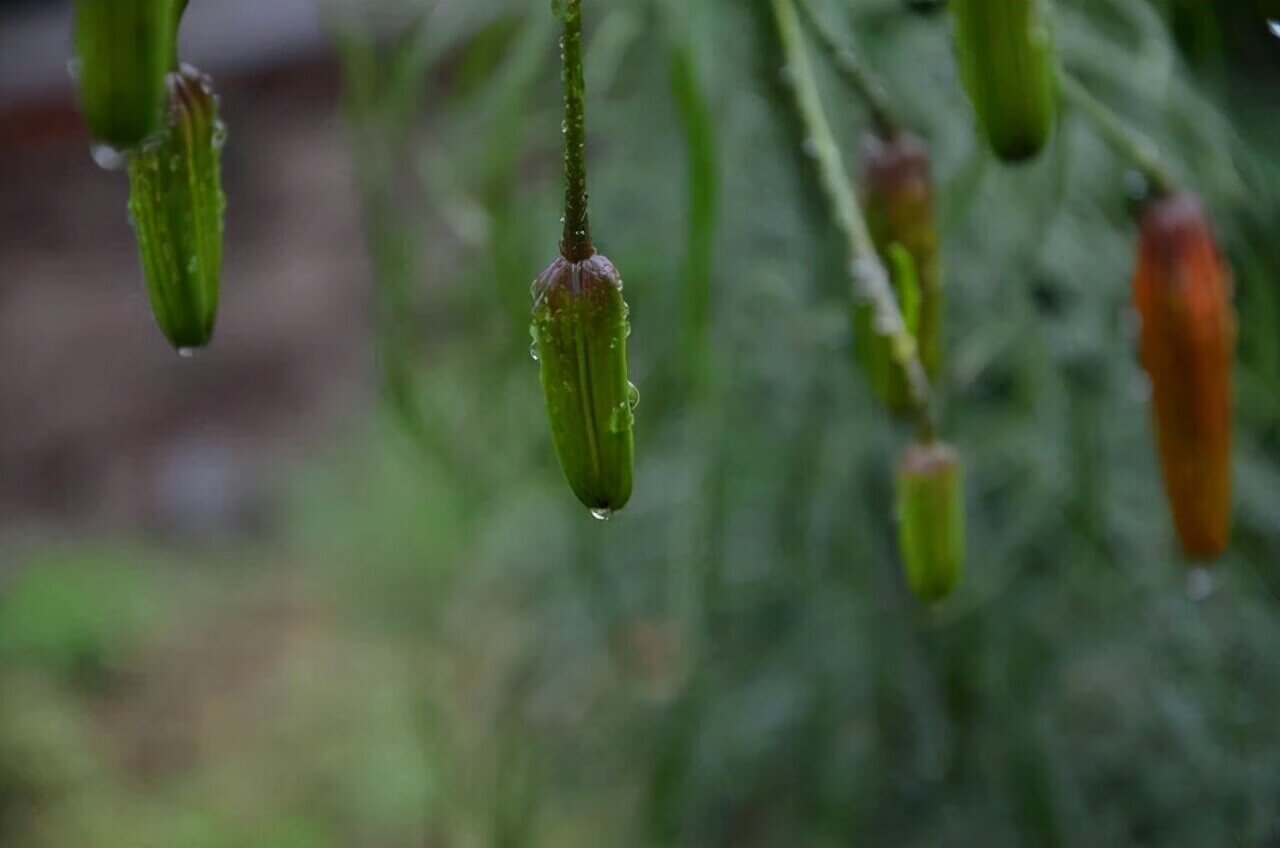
(580, 332)
(931, 531)
(177, 207)
(1006, 64)
(123, 49)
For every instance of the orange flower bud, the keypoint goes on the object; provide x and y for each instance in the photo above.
(1182, 290)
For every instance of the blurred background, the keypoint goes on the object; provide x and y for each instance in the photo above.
(324, 585)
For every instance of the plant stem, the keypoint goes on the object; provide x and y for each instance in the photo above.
(868, 275)
(1122, 138)
(856, 75)
(575, 245)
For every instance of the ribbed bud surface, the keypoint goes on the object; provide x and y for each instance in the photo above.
(580, 330)
(123, 48)
(177, 208)
(1005, 52)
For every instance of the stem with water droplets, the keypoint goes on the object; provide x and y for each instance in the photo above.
(575, 245)
(867, 273)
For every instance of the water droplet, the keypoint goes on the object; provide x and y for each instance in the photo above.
(633, 396)
(1199, 585)
(602, 513)
(219, 135)
(73, 68)
(187, 352)
(621, 419)
(533, 350)
(1273, 26)
(107, 157)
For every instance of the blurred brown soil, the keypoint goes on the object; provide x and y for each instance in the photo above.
(102, 426)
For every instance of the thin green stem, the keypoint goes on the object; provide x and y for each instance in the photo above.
(575, 245)
(868, 275)
(854, 73)
(1125, 140)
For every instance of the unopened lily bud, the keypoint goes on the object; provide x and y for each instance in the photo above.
(1182, 291)
(176, 205)
(1006, 64)
(580, 331)
(931, 529)
(124, 48)
(897, 197)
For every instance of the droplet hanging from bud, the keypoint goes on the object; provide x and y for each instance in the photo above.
(1005, 52)
(931, 530)
(1182, 291)
(896, 191)
(177, 208)
(124, 48)
(581, 329)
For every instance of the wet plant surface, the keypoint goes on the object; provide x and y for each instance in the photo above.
(410, 633)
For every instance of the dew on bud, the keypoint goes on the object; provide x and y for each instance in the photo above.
(579, 328)
(177, 207)
(107, 157)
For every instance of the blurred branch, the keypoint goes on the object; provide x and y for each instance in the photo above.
(1125, 140)
(868, 274)
(850, 68)
(384, 89)
(703, 199)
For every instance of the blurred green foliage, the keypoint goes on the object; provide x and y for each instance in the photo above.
(443, 650)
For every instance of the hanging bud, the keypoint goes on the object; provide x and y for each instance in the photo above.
(931, 531)
(580, 331)
(897, 198)
(124, 48)
(176, 205)
(1182, 291)
(1006, 64)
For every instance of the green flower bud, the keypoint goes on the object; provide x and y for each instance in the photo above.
(123, 49)
(580, 332)
(931, 530)
(1006, 64)
(176, 205)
